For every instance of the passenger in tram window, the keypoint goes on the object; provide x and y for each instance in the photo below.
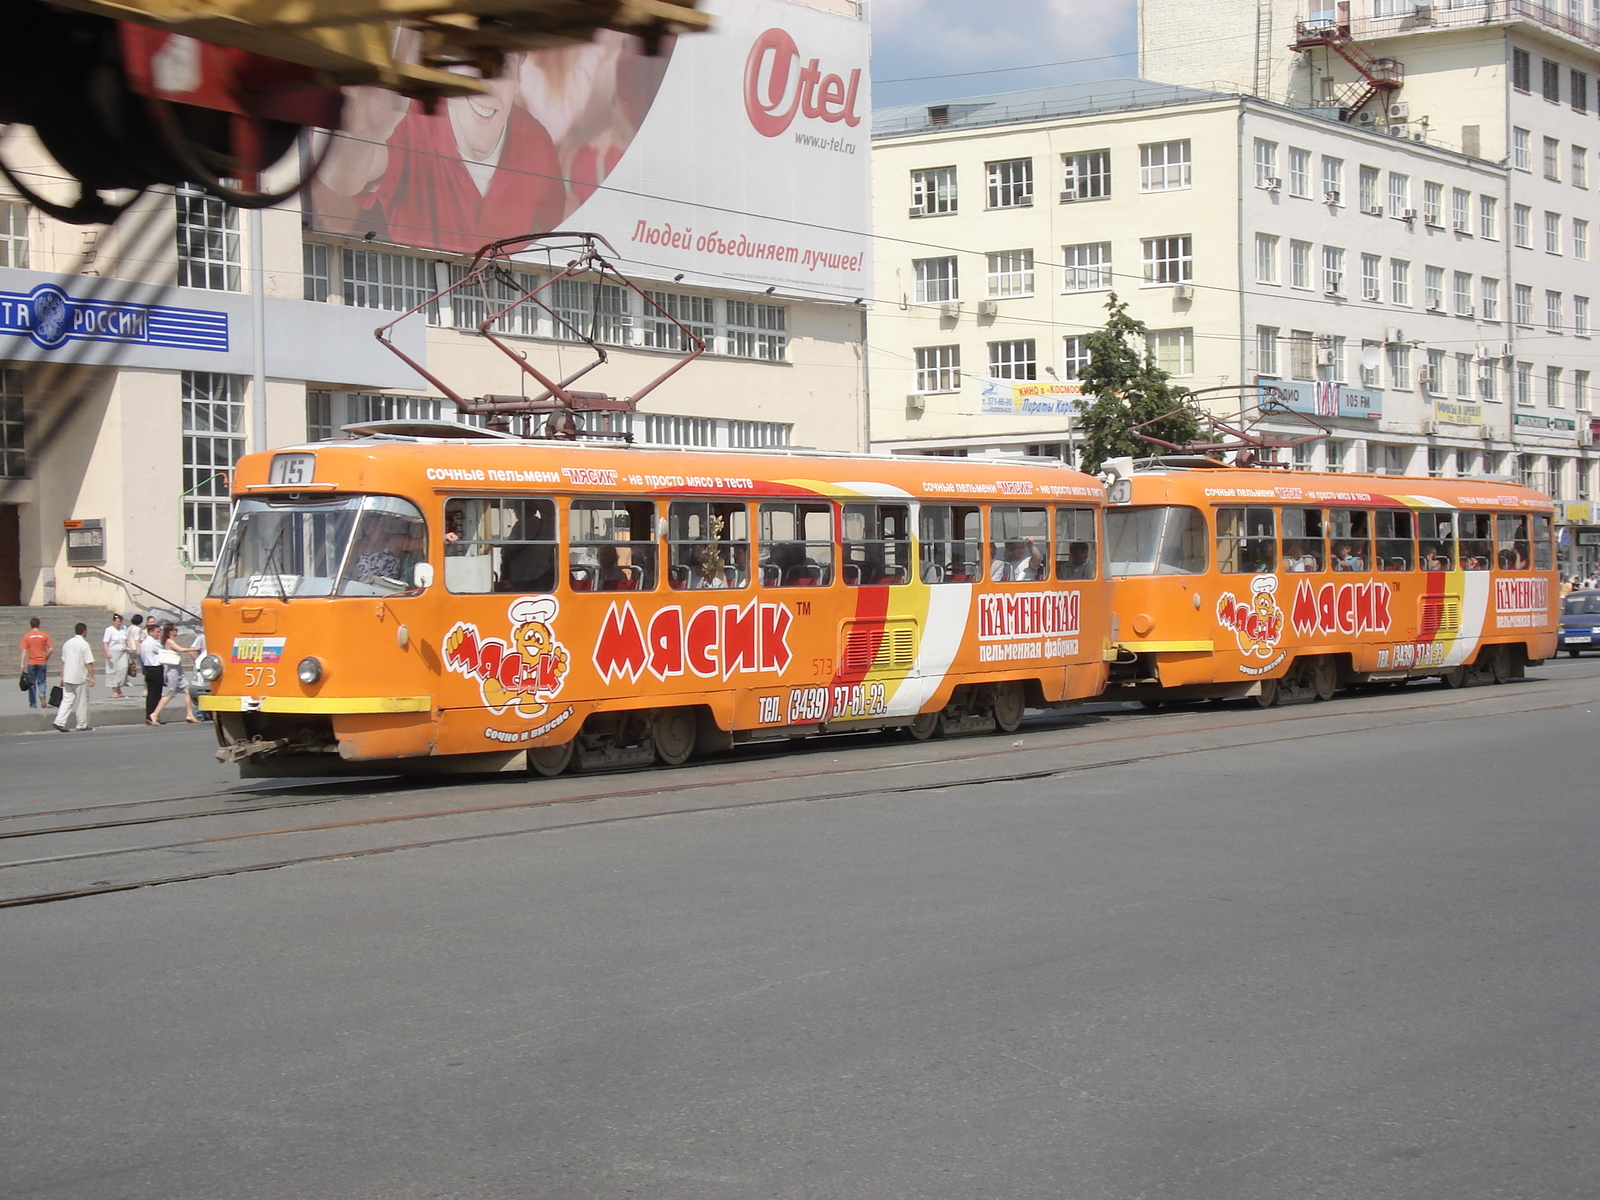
(1078, 565)
(1432, 559)
(1395, 549)
(1020, 562)
(1477, 540)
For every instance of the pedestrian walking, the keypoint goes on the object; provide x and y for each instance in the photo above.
(115, 643)
(150, 666)
(77, 678)
(173, 683)
(36, 651)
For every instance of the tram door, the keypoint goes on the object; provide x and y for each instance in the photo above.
(10, 555)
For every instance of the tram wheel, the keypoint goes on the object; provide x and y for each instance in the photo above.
(1456, 677)
(1010, 702)
(673, 732)
(1500, 664)
(1268, 696)
(925, 726)
(551, 761)
(1324, 675)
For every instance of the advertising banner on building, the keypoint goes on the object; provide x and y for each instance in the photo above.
(1457, 412)
(738, 156)
(1027, 398)
(1324, 399)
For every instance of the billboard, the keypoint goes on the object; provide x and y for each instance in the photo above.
(1027, 398)
(736, 157)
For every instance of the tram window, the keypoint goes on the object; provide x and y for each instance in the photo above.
(285, 549)
(1156, 541)
(1246, 544)
(1477, 540)
(1020, 539)
(796, 545)
(952, 543)
(611, 545)
(1075, 556)
(708, 545)
(1543, 552)
(1511, 542)
(1436, 540)
(1305, 548)
(391, 538)
(1352, 539)
(1396, 550)
(877, 544)
(499, 545)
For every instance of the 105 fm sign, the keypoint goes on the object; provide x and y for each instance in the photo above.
(777, 88)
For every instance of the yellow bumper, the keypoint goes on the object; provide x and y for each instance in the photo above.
(1167, 647)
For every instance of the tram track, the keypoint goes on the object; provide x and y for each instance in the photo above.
(657, 800)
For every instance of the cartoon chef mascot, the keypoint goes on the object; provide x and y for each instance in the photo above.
(545, 660)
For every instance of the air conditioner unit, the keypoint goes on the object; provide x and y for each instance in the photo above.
(1433, 221)
(1424, 16)
(1425, 379)
(1332, 289)
(1505, 350)
(1375, 210)
(1409, 214)
(1372, 294)
(1325, 358)
(1366, 117)
(950, 310)
(1468, 311)
(986, 308)
(1272, 183)
(1183, 291)
(918, 211)
(1419, 133)
(916, 402)
(1439, 308)
(1461, 226)
(1330, 197)
(1394, 336)
(1399, 112)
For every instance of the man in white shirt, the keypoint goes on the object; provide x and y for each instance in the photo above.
(77, 677)
(1021, 562)
(115, 642)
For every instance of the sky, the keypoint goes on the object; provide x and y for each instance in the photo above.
(915, 39)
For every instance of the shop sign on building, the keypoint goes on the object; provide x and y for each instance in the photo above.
(1457, 412)
(1555, 426)
(1324, 399)
(1027, 398)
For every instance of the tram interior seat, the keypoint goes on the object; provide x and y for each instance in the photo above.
(771, 575)
(963, 572)
(932, 572)
(806, 576)
(891, 575)
(853, 575)
(678, 577)
(622, 579)
(582, 578)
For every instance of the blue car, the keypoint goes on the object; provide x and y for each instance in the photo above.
(1580, 623)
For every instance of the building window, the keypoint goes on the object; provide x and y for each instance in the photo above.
(1370, 289)
(757, 435)
(377, 406)
(1399, 194)
(1011, 273)
(1336, 452)
(1433, 288)
(936, 280)
(1174, 350)
(13, 456)
(1522, 305)
(1299, 172)
(938, 368)
(1522, 225)
(662, 430)
(1266, 163)
(1266, 258)
(1333, 270)
(1552, 312)
(1013, 360)
(1580, 391)
(1399, 281)
(660, 324)
(1552, 159)
(1463, 376)
(584, 311)
(1432, 203)
(1369, 191)
(377, 279)
(1461, 210)
(1437, 461)
(1076, 351)
(1580, 91)
(1488, 376)
(1489, 293)
(13, 234)
(1580, 238)
(1085, 176)
(1371, 352)
(1434, 384)
(1300, 264)
(1330, 364)
(1552, 387)
(1168, 259)
(1302, 354)
(1088, 267)
(1522, 149)
(1461, 293)
(1552, 233)
(1488, 217)
(1521, 71)
(317, 271)
(933, 192)
(1164, 166)
(1267, 350)
(1525, 384)
(213, 440)
(471, 306)
(1580, 316)
(1011, 183)
(1332, 179)
(758, 330)
(1551, 73)
(208, 241)
(319, 415)
(1580, 166)
(1400, 367)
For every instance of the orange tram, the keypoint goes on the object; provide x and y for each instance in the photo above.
(1289, 586)
(447, 599)
(435, 598)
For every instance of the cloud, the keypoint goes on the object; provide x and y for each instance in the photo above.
(918, 38)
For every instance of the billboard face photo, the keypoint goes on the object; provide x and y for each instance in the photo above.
(736, 156)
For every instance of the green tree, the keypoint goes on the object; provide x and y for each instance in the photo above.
(1123, 387)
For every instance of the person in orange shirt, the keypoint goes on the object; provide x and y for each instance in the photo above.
(36, 651)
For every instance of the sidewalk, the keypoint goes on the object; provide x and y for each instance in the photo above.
(103, 710)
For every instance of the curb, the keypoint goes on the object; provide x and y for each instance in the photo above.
(100, 716)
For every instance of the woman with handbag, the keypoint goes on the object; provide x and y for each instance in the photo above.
(170, 658)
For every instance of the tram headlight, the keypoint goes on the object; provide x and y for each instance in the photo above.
(209, 668)
(309, 670)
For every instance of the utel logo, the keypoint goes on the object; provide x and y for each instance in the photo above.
(774, 91)
(1521, 595)
(1348, 608)
(710, 641)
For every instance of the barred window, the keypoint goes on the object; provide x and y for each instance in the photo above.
(1011, 273)
(758, 330)
(319, 415)
(933, 192)
(1013, 360)
(471, 306)
(13, 234)
(213, 440)
(1168, 259)
(1088, 267)
(663, 430)
(938, 368)
(697, 313)
(1164, 166)
(13, 457)
(937, 280)
(755, 435)
(1011, 183)
(208, 241)
(584, 309)
(377, 279)
(1302, 354)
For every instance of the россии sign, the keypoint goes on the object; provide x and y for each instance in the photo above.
(50, 317)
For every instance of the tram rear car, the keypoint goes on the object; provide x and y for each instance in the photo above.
(425, 604)
(1234, 582)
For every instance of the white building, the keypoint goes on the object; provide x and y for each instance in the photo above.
(128, 356)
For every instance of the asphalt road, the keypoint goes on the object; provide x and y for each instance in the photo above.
(1344, 964)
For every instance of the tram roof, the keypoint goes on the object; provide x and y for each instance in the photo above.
(1221, 483)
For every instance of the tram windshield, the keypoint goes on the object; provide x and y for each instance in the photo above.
(1156, 541)
(346, 546)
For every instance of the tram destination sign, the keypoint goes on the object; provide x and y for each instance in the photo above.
(50, 317)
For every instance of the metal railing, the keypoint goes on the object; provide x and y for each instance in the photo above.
(1485, 12)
